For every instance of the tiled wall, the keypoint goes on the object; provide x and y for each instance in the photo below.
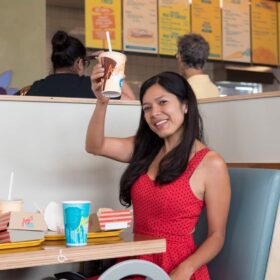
(63, 18)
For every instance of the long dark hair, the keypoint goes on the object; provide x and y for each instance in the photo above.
(65, 50)
(148, 144)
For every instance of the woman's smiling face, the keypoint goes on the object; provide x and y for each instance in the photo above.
(163, 112)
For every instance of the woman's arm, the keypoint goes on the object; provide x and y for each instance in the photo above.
(96, 143)
(217, 199)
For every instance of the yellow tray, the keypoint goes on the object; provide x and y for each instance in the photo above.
(104, 240)
(12, 245)
(112, 233)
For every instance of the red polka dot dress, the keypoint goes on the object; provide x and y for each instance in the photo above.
(171, 212)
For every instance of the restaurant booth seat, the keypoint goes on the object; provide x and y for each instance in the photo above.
(251, 222)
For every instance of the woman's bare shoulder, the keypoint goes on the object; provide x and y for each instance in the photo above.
(213, 161)
(212, 158)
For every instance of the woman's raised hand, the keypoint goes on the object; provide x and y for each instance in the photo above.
(96, 77)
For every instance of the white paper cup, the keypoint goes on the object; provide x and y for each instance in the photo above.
(11, 205)
(114, 64)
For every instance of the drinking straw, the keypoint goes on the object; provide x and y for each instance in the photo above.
(108, 41)
(11, 186)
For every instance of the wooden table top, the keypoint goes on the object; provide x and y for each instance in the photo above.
(56, 252)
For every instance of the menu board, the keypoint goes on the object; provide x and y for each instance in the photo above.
(236, 31)
(102, 16)
(140, 26)
(174, 21)
(206, 21)
(264, 32)
(278, 6)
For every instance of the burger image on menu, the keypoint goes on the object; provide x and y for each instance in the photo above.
(140, 35)
(109, 65)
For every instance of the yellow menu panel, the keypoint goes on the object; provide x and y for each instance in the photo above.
(207, 21)
(102, 16)
(278, 6)
(174, 21)
(140, 26)
(236, 31)
(264, 32)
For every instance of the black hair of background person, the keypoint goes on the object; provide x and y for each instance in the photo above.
(66, 50)
(69, 62)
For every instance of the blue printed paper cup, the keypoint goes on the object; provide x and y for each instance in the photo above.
(76, 216)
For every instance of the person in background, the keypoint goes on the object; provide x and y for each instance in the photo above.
(69, 62)
(193, 51)
(171, 175)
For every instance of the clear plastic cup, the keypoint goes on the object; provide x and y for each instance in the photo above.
(11, 205)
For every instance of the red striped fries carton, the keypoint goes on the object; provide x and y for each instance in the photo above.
(21, 226)
(107, 219)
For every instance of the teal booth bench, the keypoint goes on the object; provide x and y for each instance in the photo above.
(250, 236)
(251, 223)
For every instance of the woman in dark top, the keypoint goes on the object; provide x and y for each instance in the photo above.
(63, 85)
(69, 62)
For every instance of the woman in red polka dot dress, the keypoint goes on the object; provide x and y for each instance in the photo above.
(171, 175)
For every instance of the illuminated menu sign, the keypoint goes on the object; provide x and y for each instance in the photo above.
(236, 31)
(206, 21)
(264, 32)
(102, 16)
(174, 21)
(278, 6)
(140, 26)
